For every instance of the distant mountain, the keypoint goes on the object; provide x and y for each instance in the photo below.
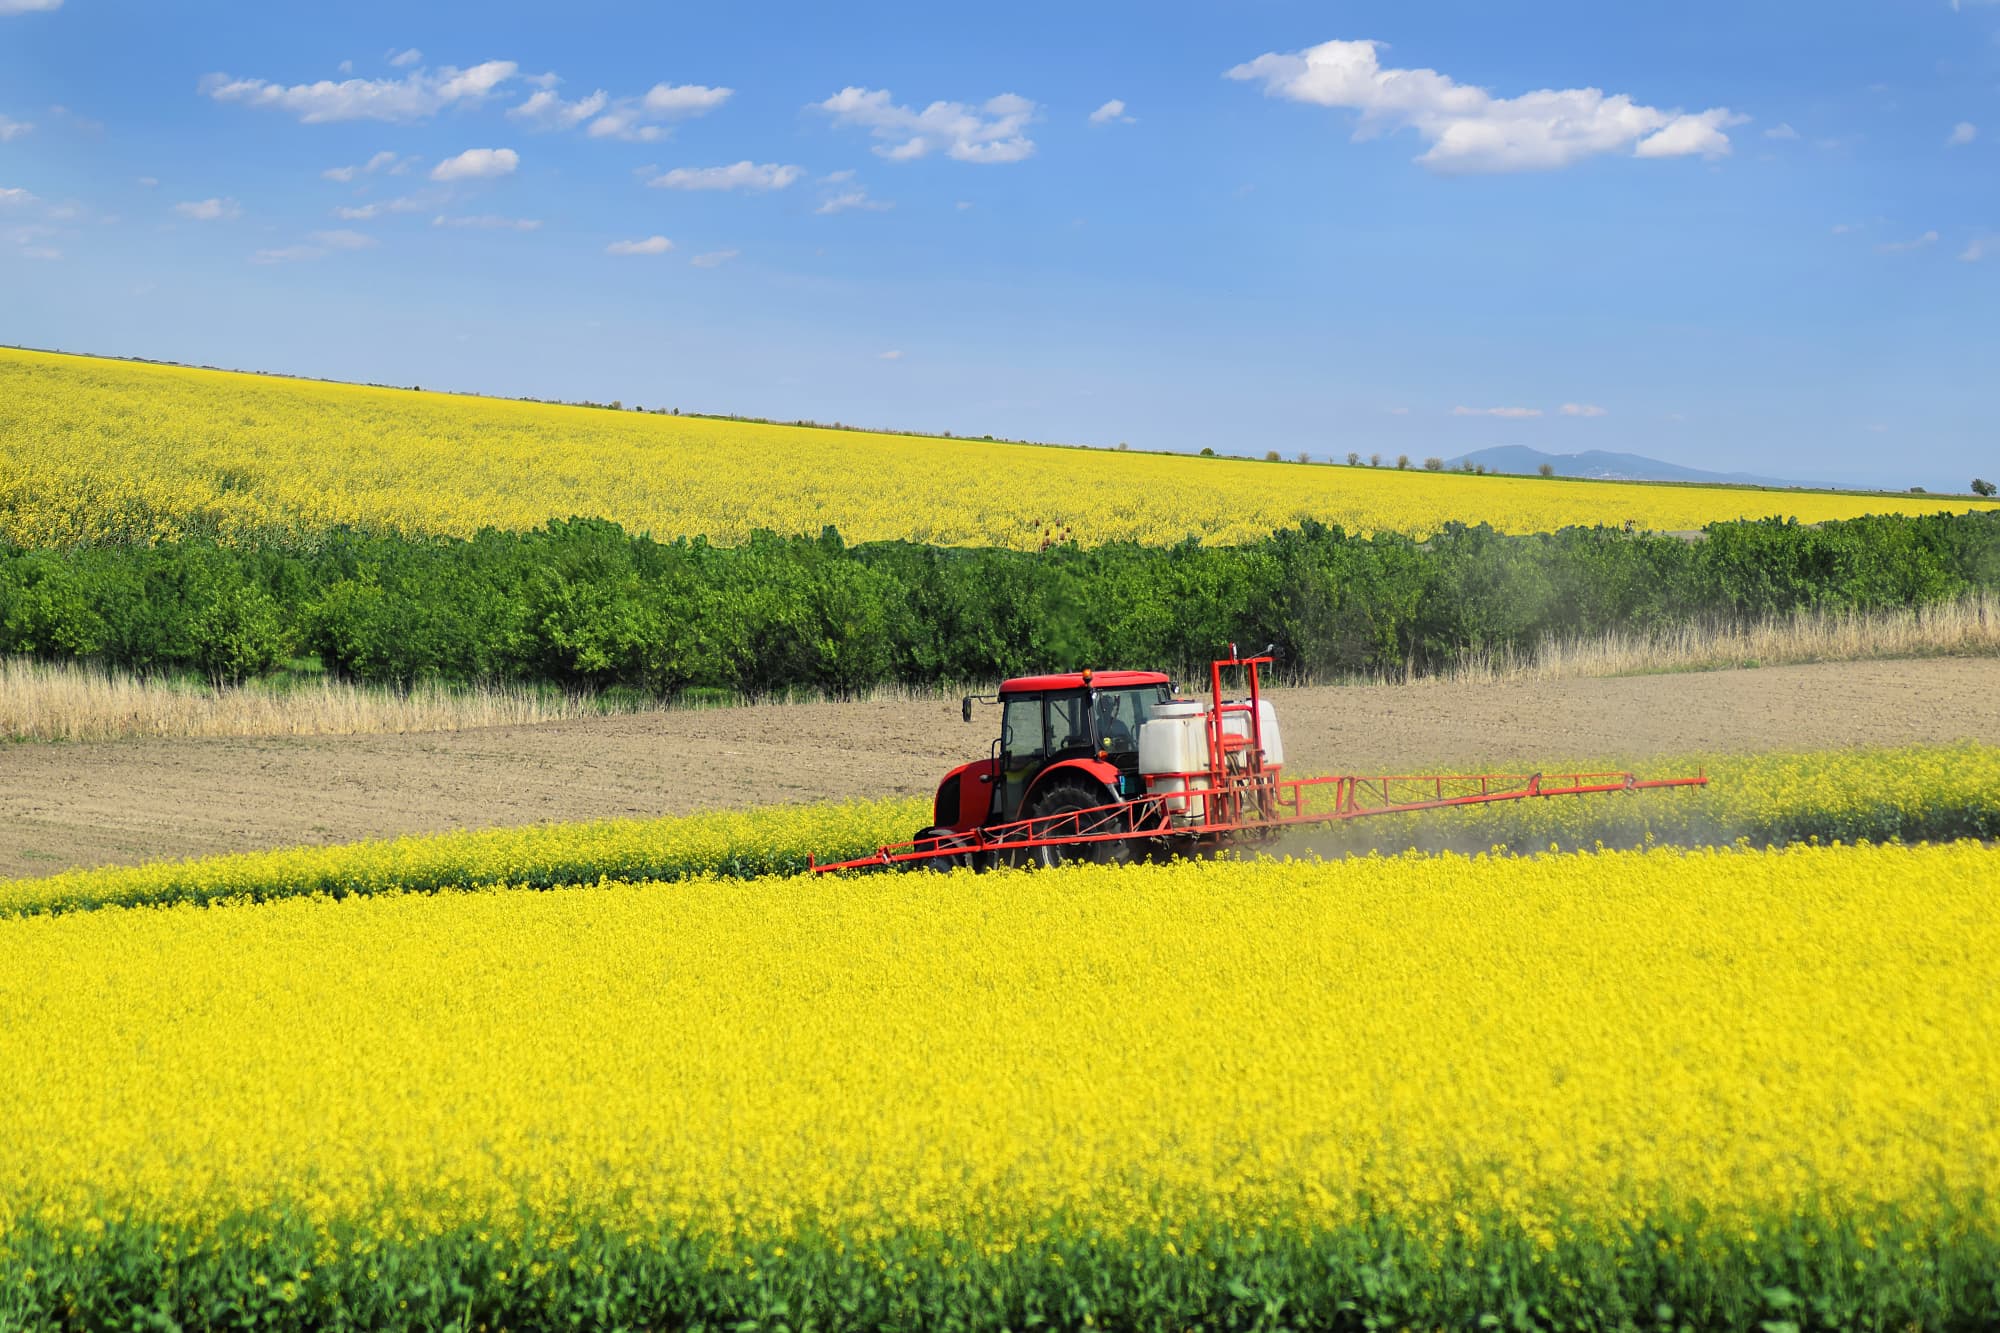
(1603, 466)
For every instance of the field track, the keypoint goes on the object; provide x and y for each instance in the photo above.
(129, 801)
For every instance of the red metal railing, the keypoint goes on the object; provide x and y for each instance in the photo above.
(1287, 801)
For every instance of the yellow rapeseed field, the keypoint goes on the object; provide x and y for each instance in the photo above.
(1912, 793)
(1540, 1043)
(91, 449)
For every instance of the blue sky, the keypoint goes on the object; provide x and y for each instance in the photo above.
(1746, 237)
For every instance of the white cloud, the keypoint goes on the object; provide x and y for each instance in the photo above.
(149, 182)
(1962, 133)
(626, 122)
(40, 252)
(382, 161)
(1399, 411)
(634, 119)
(1509, 413)
(345, 67)
(652, 245)
(1581, 410)
(288, 254)
(16, 197)
(1469, 129)
(714, 258)
(857, 197)
(477, 164)
(744, 175)
(685, 99)
(1975, 250)
(991, 132)
(1842, 228)
(488, 222)
(317, 245)
(546, 110)
(1781, 131)
(1686, 136)
(1929, 238)
(894, 354)
(342, 239)
(210, 210)
(405, 59)
(417, 96)
(29, 6)
(11, 129)
(1112, 113)
(408, 203)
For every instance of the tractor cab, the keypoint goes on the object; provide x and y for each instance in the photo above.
(1072, 736)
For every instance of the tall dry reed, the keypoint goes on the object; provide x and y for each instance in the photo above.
(72, 702)
(1970, 625)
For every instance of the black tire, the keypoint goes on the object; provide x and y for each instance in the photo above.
(966, 858)
(1064, 796)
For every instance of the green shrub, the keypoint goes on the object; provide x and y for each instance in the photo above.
(583, 605)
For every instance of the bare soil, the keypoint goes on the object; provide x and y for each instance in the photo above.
(65, 805)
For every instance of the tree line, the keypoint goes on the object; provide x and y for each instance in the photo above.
(584, 605)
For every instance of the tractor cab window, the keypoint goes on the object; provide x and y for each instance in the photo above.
(1069, 724)
(1021, 734)
(1120, 714)
(1024, 748)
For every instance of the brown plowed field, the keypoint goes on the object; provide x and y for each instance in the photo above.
(128, 801)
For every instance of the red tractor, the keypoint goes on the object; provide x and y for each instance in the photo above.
(1114, 765)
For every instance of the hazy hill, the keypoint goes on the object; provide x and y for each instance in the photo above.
(1603, 466)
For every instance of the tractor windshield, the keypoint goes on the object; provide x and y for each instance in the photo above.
(1120, 714)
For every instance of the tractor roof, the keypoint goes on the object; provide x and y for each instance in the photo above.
(1073, 680)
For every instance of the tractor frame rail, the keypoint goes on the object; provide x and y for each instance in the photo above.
(1243, 807)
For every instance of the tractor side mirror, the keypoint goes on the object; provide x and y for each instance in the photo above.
(965, 707)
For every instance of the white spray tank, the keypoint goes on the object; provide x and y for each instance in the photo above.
(1173, 756)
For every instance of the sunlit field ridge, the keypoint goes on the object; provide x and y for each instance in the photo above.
(94, 450)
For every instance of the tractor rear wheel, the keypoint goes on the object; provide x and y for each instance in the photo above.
(1068, 796)
(949, 838)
